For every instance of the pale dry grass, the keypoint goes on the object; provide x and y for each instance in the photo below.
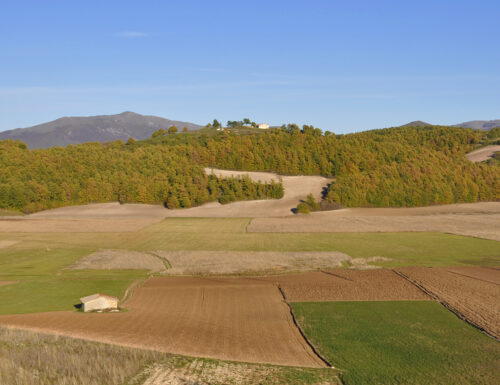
(4, 244)
(28, 358)
(482, 154)
(481, 220)
(119, 259)
(238, 262)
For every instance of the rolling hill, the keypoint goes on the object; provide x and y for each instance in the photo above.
(102, 128)
(480, 124)
(485, 125)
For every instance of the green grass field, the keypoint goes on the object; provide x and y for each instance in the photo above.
(399, 343)
(38, 260)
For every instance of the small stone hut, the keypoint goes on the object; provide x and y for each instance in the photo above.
(99, 302)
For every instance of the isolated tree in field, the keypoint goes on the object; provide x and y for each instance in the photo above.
(312, 202)
(303, 208)
(246, 121)
(172, 130)
(216, 123)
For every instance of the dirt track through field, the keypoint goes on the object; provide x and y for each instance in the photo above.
(347, 285)
(480, 220)
(482, 154)
(473, 293)
(231, 319)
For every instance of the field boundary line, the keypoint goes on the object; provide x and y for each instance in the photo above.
(165, 261)
(445, 304)
(132, 287)
(314, 350)
(471, 277)
(336, 276)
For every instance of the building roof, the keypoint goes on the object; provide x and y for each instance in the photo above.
(95, 296)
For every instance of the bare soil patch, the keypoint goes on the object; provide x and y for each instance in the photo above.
(296, 188)
(482, 154)
(482, 223)
(119, 259)
(231, 319)
(347, 285)
(4, 244)
(236, 262)
(473, 294)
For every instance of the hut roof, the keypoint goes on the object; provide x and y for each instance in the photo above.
(95, 296)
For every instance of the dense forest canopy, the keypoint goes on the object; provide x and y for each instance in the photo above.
(404, 166)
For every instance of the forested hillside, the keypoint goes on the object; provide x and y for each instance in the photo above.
(93, 172)
(406, 166)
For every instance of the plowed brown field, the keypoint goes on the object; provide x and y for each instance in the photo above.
(472, 293)
(347, 285)
(232, 319)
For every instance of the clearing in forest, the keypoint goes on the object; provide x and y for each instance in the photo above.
(482, 154)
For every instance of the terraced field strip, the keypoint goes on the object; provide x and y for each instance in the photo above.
(472, 293)
(347, 285)
(232, 319)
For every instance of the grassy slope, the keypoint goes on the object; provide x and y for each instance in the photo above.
(400, 343)
(39, 259)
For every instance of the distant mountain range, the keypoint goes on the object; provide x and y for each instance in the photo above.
(102, 128)
(107, 128)
(475, 124)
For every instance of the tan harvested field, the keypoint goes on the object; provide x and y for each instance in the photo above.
(120, 259)
(233, 319)
(4, 244)
(483, 154)
(236, 262)
(480, 220)
(473, 293)
(296, 188)
(93, 218)
(347, 285)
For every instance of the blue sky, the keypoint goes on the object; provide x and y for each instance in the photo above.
(339, 65)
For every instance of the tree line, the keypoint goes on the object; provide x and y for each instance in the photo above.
(404, 166)
(93, 172)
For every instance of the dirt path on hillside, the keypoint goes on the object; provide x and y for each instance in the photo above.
(230, 319)
(480, 220)
(482, 154)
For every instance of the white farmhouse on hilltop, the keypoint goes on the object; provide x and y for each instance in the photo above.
(263, 126)
(99, 302)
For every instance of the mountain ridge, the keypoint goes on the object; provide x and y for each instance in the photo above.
(99, 128)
